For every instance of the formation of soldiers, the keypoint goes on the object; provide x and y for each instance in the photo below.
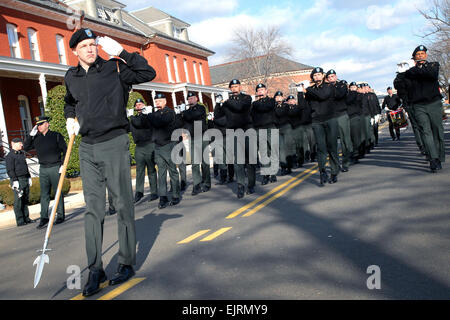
(326, 110)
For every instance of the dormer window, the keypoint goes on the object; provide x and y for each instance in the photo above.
(177, 32)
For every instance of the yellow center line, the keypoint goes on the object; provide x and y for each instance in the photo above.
(268, 194)
(194, 236)
(279, 194)
(215, 234)
(81, 297)
(121, 289)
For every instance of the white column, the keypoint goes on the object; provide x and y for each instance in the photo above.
(213, 98)
(185, 95)
(3, 128)
(153, 95)
(43, 85)
(200, 96)
(174, 99)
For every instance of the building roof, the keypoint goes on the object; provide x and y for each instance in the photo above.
(240, 69)
(152, 14)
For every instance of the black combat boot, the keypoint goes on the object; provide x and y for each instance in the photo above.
(265, 180)
(240, 191)
(323, 177)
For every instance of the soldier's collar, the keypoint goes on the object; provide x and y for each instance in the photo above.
(98, 64)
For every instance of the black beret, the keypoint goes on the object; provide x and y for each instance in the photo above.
(15, 140)
(234, 81)
(360, 85)
(331, 72)
(352, 83)
(278, 93)
(290, 97)
(316, 70)
(388, 88)
(81, 35)
(139, 100)
(261, 85)
(160, 96)
(191, 94)
(41, 119)
(419, 48)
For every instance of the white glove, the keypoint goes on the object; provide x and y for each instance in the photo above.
(210, 116)
(300, 88)
(372, 121)
(60, 169)
(147, 110)
(30, 182)
(182, 107)
(34, 131)
(177, 110)
(219, 100)
(16, 185)
(411, 63)
(110, 46)
(130, 112)
(377, 118)
(72, 126)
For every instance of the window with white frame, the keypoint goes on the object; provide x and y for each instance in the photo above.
(24, 110)
(61, 49)
(41, 106)
(169, 70)
(186, 70)
(201, 74)
(34, 48)
(175, 66)
(13, 41)
(195, 72)
(177, 32)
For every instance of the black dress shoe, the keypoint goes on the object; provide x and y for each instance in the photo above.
(96, 278)
(196, 190)
(250, 190)
(21, 224)
(174, 201)
(59, 220)
(183, 185)
(111, 211)
(344, 169)
(124, 273)
(42, 223)
(153, 197)
(333, 178)
(240, 191)
(163, 202)
(433, 166)
(273, 178)
(138, 197)
(206, 188)
(438, 164)
(323, 178)
(265, 180)
(28, 220)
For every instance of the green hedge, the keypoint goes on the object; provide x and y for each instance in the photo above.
(7, 194)
(55, 110)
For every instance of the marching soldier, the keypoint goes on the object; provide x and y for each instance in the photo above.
(425, 98)
(97, 93)
(144, 155)
(354, 110)
(366, 128)
(179, 124)
(343, 120)
(263, 118)
(285, 128)
(51, 150)
(237, 113)
(196, 113)
(20, 181)
(299, 116)
(325, 126)
(375, 112)
(391, 103)
(220, 122)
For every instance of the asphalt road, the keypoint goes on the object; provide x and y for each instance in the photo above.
(291, 240)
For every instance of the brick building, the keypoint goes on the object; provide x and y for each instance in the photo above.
(277, 73)
(35, 54)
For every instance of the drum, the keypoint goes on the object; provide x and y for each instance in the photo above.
(398, 118)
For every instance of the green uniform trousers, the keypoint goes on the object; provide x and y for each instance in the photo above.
(299, 139)
(21, 204)
(200, 163)
(145, 158)
(355, 133)
(345, 138)
(48, 180)
(164, 161)
(107, 164)
(286, 143)
(326, 133)
(429, 121)
(415, 127)
(366, 131)
(269, 148)
(239, 167)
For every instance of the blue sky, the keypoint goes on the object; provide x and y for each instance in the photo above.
(362, 40)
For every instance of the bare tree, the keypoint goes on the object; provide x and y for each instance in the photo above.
(258, 49)
(438, 36)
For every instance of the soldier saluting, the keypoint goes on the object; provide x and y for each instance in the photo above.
(97, 94)
(51, 150)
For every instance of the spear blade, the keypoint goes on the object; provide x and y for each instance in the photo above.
(40, 262)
